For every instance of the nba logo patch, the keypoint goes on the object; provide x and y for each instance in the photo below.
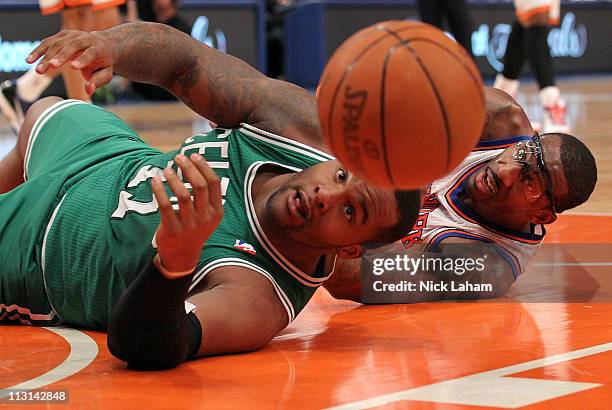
(246, 247)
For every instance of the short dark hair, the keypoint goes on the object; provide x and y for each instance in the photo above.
(408, 207)
(579, 169)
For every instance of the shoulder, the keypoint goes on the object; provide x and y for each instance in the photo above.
(504, 117)
(290, 111)
(305, 152)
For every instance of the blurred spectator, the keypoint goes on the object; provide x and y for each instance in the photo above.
(274, 36)
(434, 11)
(18, 94)
(163, 11)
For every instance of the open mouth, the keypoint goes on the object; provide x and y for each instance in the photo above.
(302, 205)
(489, 182)
(299, 207)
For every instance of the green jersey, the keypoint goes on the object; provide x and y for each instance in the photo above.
(101, 230)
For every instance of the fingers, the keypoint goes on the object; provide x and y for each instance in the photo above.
(186, 206)
(214, 184)
(168, 218)
(59, 49)
(97, 79)
(63, 51)
(42, 48)
(199, 185)
(205, 205)
(86, 58)
(58, 52)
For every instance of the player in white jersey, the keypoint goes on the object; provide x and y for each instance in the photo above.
(497, 201)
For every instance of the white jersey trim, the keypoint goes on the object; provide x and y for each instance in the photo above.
(39, 124)
(284, 263)
(283, 142)
(44, 252)
(286, 302)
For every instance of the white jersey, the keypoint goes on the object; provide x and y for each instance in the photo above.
(444, 215)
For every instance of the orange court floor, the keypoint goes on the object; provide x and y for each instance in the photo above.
(546, 345)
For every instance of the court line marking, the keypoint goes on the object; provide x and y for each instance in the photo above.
(83, 351)
(492, 388)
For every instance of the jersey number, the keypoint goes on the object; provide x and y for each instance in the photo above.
(127, 204)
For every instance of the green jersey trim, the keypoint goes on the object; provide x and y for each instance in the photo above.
(43, 254)
(283, 142)
(286, 302)
(278, 257)
(38, 126)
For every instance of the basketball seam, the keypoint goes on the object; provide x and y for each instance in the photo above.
(450, 52)
(383, 134)
(441, 106)
(434, 88)
(348, 69)
(428, 40)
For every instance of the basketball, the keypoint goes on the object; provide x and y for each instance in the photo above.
(401, 104)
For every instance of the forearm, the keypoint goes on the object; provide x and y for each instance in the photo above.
(217, 86)
(345, 282)
(150, 52)
(149, 327)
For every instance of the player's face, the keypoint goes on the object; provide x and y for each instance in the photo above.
(326, 206)
(517, 186)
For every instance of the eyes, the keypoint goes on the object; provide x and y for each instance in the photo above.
(532, 184)
(349, 210)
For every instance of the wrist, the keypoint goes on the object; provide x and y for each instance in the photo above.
(168, 273)
(111, 38)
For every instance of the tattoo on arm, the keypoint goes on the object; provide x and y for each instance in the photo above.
(217, 86)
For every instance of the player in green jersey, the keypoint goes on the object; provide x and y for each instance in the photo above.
(212, 248)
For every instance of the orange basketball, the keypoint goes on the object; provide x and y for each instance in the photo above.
(401, 104)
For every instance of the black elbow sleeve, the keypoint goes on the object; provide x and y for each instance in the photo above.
(149, 328)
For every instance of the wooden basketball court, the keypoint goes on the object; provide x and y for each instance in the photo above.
(547, 344)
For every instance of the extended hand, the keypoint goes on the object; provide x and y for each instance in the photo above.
(181, 235)
(89, 52)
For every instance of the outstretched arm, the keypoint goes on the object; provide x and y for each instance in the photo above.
(217, 86)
